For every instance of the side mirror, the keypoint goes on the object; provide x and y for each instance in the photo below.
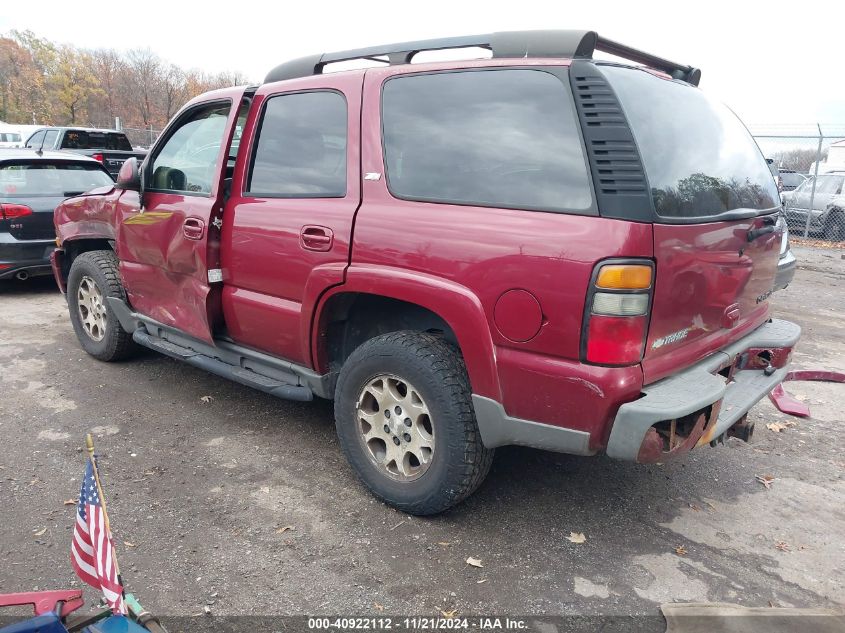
(129, 176)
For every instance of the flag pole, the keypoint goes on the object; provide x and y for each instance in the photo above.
(89, 445)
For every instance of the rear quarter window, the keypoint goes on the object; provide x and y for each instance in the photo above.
(699, 158)
(497, 138)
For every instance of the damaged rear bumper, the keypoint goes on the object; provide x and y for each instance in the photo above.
(703, 403)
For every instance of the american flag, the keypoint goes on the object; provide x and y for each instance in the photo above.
(92, 549)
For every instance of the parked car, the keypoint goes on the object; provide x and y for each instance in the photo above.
(828, 212)
(31, 185)
(791, 179)
(787, 262)
(10, 139)
(530, 249)
(110, 147)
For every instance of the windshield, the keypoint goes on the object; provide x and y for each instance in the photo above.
(50, 179)
(829, 184)
(82, 139)
(699, 158)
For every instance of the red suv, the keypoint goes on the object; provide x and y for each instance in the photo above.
(538, 248)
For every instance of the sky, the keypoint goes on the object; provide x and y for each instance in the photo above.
(776, 64)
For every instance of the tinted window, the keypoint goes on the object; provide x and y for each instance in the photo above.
(699, 158)
(188, 160)
(89, 139)
(35, 139)
(28, 180)
(503, 138)
(301, 149)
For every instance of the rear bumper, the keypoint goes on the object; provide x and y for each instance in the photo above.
(702, 401)
(24, 257)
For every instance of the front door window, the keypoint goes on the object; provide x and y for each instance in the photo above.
(188, 160)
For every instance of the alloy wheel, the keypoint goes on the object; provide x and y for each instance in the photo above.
(395, 427)
(92, 309)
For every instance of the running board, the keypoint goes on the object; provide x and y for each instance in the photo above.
(225, 358)
(287, 389)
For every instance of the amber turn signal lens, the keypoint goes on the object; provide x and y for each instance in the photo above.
(624, 277)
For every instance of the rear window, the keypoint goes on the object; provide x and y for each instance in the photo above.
(82, 139)
(50, 179)
(500, 138)
(699, 158)
(792, 180)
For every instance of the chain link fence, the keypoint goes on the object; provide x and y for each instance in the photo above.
(808, 162)
(141, 137)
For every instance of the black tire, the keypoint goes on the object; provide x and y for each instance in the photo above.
(459, 461)
(101, 267)
(835, 228)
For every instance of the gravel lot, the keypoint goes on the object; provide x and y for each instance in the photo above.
(245, 504)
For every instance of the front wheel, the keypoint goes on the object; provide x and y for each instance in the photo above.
(404, 416)
(93, 277)
(835, 229)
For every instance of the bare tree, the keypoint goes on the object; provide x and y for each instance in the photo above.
(42, 83)
(109, 68)
(174, 90)
(144, 68)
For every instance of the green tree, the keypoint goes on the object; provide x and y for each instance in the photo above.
(72, 84)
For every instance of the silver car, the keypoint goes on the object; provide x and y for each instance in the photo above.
(828, 213)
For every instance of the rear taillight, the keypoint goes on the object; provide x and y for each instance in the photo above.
(12, 211)
(98, 157)
(617, 312)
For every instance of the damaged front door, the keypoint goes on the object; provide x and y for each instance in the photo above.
(163, 238)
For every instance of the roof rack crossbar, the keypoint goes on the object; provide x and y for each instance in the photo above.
(504, 44)
(678, 71)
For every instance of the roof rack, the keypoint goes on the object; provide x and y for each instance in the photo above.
(568, 43)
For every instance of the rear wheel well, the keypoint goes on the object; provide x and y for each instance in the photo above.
(350, 319)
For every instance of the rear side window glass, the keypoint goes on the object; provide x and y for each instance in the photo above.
(301, 148)
(498, 138)
(50, 138)
(699, 158)
(82, 139)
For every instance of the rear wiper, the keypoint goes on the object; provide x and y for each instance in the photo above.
(71, 194)
(770, 222)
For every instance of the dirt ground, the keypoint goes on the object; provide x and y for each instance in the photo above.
(244, 504)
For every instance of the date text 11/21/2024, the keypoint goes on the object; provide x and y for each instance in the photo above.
(417, 623)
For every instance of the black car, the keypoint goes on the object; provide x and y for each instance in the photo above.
(31, 185)
(110, 147)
